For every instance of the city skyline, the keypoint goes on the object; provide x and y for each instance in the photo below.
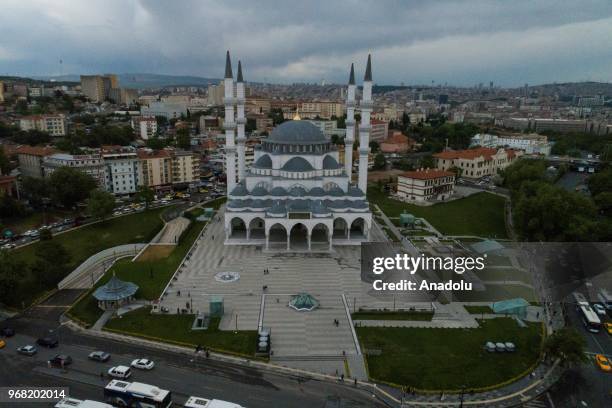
(446, 42)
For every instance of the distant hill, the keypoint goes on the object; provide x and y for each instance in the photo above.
(140, 80)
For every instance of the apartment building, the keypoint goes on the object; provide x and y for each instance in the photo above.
(166, 109)
(1, 91)
(185, 167)
(144, 127)
(379, 130)
(476, 163)
(95, 87)
(92, 164)
(322, 109)
(122, 169)
(155, 168)
(426, 185)
(531, 144)
(31, 158)
(55, 125)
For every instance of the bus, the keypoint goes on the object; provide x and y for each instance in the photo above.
(198, 402)
(77, 403)
(136, 395)
(580, 299)
(589, 319)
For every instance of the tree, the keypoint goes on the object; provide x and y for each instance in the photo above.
(69, 186)
(21, 107)
(11, 278)
(5, 164)
(51, 262)
(183, 138)
(427, 162)
(567, 345)
(600, 182)
(34, 190)
(375, 146)
(9, 207)
(46, 234)
(156, 143)
(380, 163)
(146, 194)
(100, 204)
(523, 171)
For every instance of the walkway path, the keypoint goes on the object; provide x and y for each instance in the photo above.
(173, 230)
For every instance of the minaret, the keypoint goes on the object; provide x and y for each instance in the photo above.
(240, 122)
(229, 125)
(364, 127)
(350, 126)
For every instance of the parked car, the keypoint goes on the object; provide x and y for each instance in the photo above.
(27, 350)
(600, 309)
(608, 327)
(49, 342)
(99, 356)
(122, 372)
(61, 360)
(2, 344)
(143, 364)
(7, 332)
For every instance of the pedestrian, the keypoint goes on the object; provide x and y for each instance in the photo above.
(102, 375)
(355, 382)
(342, 377)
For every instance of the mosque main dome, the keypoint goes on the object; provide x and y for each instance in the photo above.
(296, 132)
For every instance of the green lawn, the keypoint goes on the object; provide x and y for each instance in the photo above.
(480, 214)
(447, 359)
(389, 315)
(478, 309)
(177, 329)
(150, 276)
(89, 240)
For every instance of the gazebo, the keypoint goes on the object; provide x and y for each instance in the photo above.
(303, 302)
(115, 293)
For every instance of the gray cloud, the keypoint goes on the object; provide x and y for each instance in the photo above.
(459, 42)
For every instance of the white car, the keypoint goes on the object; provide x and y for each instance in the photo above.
(143, 364)
(599, 309)
(122, 372)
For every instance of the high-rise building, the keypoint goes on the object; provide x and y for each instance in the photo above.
(98, 87)
(122, 169)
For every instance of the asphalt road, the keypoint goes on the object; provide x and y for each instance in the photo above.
(591, 384)
(184, 375)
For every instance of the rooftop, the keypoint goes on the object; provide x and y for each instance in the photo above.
(297, 132)
(427, 174)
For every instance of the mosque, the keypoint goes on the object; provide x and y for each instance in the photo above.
(296, 197)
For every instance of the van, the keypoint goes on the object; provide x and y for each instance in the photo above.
(122, 372)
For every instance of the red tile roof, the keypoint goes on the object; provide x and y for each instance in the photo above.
(144, 154)
(427, 174)
(36, 150)
(468, 154)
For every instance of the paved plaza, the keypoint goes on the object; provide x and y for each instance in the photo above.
(259, 298)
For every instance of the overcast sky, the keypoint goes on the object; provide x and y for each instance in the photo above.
(416, 42)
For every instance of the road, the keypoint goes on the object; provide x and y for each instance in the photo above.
(590, 384)
(184, 375)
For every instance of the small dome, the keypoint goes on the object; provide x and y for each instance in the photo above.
(239, 190)
(258, 203)
(278, 191)
(359, 204)
(319, 208)
(297, 191)
(264, 162)
(236, 203)
(355, 192)
(297, 132)
(278, 208)
(317, 192)
(259, 191)
(297, 164)
(329, 163)
(299, 205)
(336, 192)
